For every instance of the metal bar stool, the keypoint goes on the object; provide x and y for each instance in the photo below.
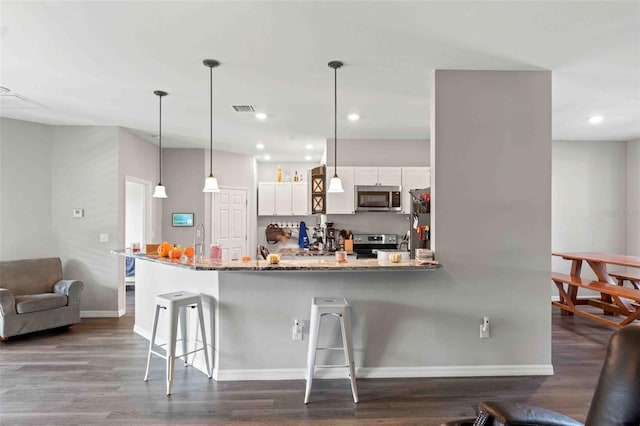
(176, 304)
(339, 307)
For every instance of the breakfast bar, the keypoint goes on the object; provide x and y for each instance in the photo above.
(250, 308)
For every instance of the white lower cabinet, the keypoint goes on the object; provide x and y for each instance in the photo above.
(413, 178)
(283, 199)
(341, 202)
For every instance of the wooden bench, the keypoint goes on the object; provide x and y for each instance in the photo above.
(634, 280)
(617, 300)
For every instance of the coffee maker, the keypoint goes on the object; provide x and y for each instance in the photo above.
(330, 237)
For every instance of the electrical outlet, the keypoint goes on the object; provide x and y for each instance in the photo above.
(297, 330)
(484, 328)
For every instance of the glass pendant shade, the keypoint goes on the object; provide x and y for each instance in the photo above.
(159, 192)
(211, 184)
(335, 185)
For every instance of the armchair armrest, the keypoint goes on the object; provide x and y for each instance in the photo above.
(7, 303)
(513, 413)
(71, 289)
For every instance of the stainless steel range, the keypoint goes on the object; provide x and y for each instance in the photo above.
(366, 246)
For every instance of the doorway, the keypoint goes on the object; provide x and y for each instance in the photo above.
(229, 222)
(137, 228)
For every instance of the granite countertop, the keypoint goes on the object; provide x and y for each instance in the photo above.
(311, 263)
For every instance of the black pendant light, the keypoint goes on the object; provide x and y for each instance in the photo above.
(335, 185)
(160, 191)
(211, 183)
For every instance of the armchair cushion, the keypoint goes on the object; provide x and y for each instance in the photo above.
(71, 289)
(7, 303)
(39, 302)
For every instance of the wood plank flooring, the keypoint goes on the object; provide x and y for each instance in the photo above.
(92, 373)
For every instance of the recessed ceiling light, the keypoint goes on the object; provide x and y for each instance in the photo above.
(353, 117)
(260, 146)
(309, 146)
(267, 157)
(261, 116)
(595, 119)
(308, 157)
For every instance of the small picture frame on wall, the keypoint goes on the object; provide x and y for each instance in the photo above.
(182, 219)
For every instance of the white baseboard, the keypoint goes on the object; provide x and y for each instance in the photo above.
(387, 372)
(372, 373)
(100, 314)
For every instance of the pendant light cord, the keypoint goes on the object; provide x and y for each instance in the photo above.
(160, 141)
(335, 122)
(211, 122)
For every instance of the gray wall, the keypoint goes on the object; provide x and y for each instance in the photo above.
(491, 195)
(183, 176)
(84, 165)
(25, 185)
(633, 198)
(380, 152)
(588, 200)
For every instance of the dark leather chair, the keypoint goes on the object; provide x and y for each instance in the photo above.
(616, 401)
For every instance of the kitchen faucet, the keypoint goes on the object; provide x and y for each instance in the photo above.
(196, 243)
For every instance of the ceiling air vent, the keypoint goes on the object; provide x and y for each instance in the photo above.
(243, 108)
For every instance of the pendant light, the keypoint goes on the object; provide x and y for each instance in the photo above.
(160, 192)
(211, 183)
(335, 185)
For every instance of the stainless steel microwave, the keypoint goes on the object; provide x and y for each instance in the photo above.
(374, 198)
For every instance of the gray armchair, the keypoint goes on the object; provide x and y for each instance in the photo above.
(616, 401)
(34, 297)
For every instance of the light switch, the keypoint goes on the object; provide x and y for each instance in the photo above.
(104, 238)
(78, 212)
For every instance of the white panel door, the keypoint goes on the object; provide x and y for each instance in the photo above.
(229, 212)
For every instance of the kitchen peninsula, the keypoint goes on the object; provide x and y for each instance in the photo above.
(251, 308)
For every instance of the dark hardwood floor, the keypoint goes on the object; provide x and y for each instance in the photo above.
(92, 373)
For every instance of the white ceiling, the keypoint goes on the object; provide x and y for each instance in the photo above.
(98, 63)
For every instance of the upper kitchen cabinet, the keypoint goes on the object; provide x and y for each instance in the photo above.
(300, 198)
(342, 202)
(283, 199)
(413, 178)
(387, 176)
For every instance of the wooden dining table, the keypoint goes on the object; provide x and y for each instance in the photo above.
(598, 263)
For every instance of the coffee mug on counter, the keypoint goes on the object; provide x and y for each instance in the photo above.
(341, 256)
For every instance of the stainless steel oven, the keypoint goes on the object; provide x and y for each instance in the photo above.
(374, 198)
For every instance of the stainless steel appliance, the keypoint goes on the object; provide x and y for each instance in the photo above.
(374, 198)
(366, 246)
(331, 236)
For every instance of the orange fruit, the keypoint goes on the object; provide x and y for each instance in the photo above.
(164, 248)
(246, 258)
(189, 252)
(175, 253)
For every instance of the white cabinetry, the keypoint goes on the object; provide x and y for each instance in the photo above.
(413, 178)
(300, 199)
(283, 199)
(387, 176)
(341, 202)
